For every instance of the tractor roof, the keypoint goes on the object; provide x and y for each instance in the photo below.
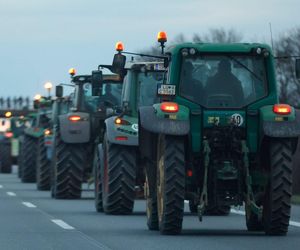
(220, 47)
(139, 64)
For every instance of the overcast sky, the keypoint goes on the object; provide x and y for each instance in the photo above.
(41, 39)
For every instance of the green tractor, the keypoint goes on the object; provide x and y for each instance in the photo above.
(75, 133)
(33, 150)
(5, 145)
(218, 137)
(28, 121)
(60, 105)
(119, 175)
(11, 131)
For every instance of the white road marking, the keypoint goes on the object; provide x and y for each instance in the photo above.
(186, 201)
(292, 223)
(28, 204)
(11, 194)
(1, 186)
(295, 224)
(63, 224)
(234, 211)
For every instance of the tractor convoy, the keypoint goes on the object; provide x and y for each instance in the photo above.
(201, 122)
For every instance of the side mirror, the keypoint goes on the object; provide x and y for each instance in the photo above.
(96, 81)
(59, 91)
(118, 64)
(166, 62)
(297, 68)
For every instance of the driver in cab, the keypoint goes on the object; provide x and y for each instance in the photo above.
(190, 87)
(109, 97)
(225, 83)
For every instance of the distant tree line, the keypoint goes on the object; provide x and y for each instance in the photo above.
(14, 102)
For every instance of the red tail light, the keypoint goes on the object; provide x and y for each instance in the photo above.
(121, 138)
(74, 118)
(282, 109)
(189, 173)
(169, 107)
(8, 134)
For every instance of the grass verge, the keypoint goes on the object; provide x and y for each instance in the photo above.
(296, 199)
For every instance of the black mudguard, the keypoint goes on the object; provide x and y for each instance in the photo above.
(150, 122)
(284, 129)
(75, 132)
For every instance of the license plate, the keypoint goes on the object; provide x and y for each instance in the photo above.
(166, 89)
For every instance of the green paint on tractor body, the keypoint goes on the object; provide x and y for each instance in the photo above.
(139, 89)
(42, 118)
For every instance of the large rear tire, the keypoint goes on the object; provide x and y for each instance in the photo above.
(42, 166)
(53, 161)
(170, 183)
(68, 170)
(29, 160)
(151, 206)
(20, 158)
(277, 202)
(118, 178)
(98, 164)
(5, 157)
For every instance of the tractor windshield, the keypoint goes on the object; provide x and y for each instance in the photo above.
(147, 89)
(223, 81)
(111, 92)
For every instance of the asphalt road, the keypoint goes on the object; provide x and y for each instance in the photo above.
(30, 219)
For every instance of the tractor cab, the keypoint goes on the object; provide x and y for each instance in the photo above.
(93, 94)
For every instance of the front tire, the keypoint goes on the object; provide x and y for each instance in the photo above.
(29, 160)
(277, 203)
(170, 184)
(5, 157)
(151, 205)
(98, 164)
(42, 166)
(21, 152)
